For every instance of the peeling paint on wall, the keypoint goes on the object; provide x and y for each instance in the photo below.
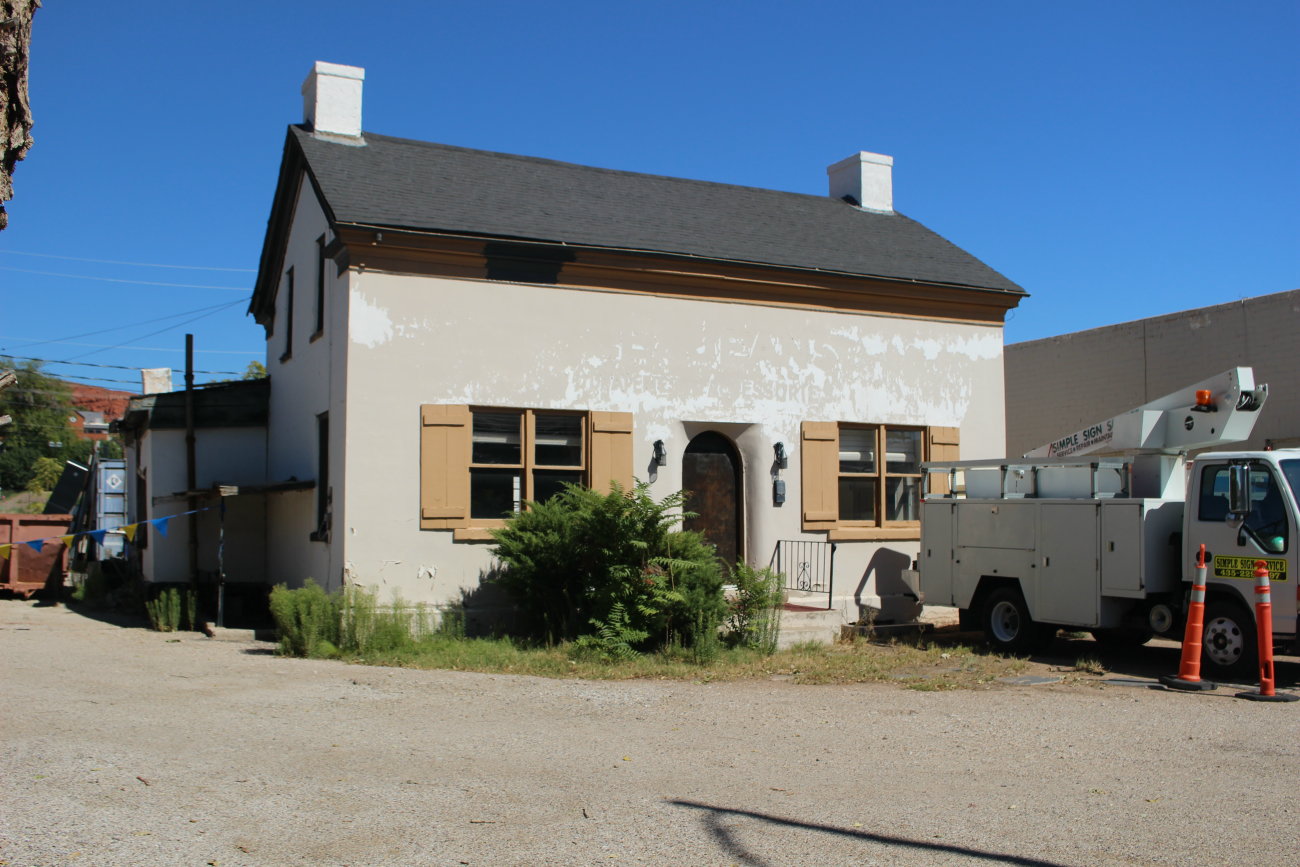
(368, 324)
(767, 367)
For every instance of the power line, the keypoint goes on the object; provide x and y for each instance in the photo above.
(143, 336)
(50, 393)
(213, 307)
(118, 280)
(145, 348)
(86, 380)
(113, 366)
(133, 264)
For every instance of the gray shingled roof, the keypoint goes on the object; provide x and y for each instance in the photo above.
(420, 185)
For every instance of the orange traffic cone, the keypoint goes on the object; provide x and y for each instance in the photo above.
(1189, 670)
(1264, 629)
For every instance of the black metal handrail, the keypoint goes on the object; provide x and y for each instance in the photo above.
(806, 566)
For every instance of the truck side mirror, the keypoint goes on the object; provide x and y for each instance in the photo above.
(1238, 491)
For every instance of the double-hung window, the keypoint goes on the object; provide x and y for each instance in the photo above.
(863, 481)
(479, 465)
(879, 474)
(522, 455)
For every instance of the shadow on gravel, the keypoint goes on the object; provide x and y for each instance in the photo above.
(718, 830)
(104, 615)
(1147, 662)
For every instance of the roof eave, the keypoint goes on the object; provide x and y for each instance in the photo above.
(1011, 289)
(293, 166)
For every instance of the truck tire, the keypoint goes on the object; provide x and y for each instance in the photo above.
(1229, 647)
(1008, 626)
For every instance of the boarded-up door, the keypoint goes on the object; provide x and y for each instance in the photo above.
(711, 476)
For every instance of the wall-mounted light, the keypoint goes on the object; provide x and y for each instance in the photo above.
(661, 454)
(782, 460)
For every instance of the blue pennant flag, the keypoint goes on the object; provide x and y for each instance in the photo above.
(98, 536)
(35, 544)
(161, 525)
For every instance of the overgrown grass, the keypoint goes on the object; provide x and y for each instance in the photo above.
(332, 625)
(355, 628)
(914, 666)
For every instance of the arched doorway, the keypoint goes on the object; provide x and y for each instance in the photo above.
(711, 476)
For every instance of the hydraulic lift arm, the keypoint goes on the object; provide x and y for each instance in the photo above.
(1222, 409)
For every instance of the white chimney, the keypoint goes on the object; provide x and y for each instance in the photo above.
(331, 99)
(867, 179)
(156, 380)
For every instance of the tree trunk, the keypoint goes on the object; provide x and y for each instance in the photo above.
(15, 111)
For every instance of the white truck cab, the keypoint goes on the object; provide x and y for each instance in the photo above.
(1235, 542)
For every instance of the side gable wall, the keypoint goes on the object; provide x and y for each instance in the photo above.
(310, 381)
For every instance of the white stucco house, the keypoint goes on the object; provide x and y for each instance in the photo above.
(452, 332)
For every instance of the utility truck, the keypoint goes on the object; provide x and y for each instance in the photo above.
(1100, 530)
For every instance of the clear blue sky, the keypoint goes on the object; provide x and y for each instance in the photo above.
(1117, 159)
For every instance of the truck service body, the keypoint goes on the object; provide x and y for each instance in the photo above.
(1099, 530)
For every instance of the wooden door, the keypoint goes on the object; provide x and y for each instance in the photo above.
(711, 476)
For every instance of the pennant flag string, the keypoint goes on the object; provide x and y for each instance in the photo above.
(98, 536)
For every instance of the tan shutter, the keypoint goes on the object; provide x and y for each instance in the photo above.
(819, 463)
(611, 450)
(945, 443)
(444, 465)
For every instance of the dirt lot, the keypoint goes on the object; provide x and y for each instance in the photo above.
(124, 746)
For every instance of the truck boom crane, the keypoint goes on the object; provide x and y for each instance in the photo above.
(1214, 412)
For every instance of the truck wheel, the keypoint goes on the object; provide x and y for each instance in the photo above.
(1007, 624)
(1122, 637)
(1229, 647)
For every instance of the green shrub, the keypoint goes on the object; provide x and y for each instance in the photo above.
(754, 618)
(306, 617)
(172, 609)
(575, 560)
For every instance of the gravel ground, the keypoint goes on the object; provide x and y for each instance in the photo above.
(124, 746)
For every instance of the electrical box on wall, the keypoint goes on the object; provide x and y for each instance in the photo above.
(778, 492)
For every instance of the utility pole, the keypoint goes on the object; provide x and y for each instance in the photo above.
(191, 475)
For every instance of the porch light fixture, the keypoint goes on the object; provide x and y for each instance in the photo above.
(661, 454)
(782, 460)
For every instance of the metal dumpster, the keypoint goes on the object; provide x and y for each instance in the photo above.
(25, 571)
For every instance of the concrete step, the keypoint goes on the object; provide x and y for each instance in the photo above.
(797, 627)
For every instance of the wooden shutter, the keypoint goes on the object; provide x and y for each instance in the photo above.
(611, 450)
(444, 465)
(819, 463)
(945, 445)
